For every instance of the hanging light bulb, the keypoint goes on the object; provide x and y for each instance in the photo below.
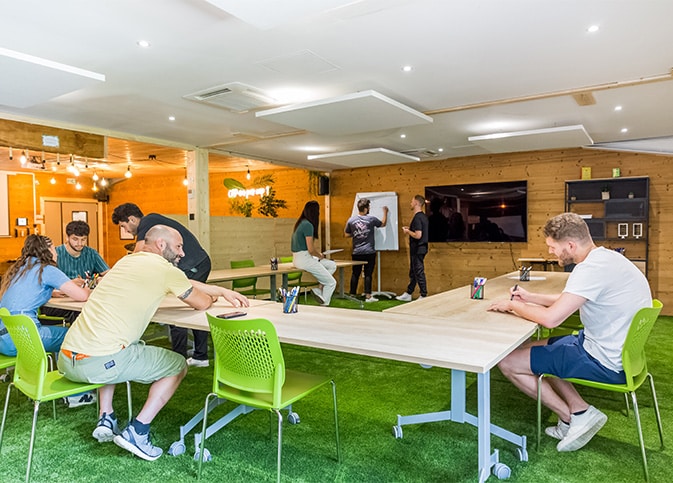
(95, 176)
(52, 180)
(78, 186)
(24, 158)
(103, 182)
(94, 188)
(128, 173)
(11, 155)
(247, 176)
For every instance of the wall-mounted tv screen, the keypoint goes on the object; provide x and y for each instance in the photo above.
(484, 212)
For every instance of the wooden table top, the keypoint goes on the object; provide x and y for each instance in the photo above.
(228, 274)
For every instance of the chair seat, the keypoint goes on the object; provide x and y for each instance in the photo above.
(297, 385)
(6, 361)
(55, 386)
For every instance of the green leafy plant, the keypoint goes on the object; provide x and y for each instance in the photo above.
(268, 203)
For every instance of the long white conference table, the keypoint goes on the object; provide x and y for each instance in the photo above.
(447, 330)
(229, 274)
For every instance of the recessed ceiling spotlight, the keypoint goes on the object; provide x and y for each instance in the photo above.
(625, 130)
(143, 43)
(618, 108)
(403, 136)
(407, 68)
(441, 150)
(592, 29)
(171, 118)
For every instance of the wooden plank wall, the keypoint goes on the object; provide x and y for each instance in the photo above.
(453, 264)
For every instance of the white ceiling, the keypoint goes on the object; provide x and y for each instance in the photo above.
(478, 67)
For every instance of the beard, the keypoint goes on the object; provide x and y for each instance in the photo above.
(565, 259)
(172, 257)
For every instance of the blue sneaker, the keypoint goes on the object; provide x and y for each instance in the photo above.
(138, 444)
(80, 399)
(106, 430)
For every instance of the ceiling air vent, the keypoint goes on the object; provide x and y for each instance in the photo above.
(422, 153)
(235, 96)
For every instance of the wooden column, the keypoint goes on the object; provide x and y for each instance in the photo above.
(198, 196)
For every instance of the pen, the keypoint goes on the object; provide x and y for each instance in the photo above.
(516, 285)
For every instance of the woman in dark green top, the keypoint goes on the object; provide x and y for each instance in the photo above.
(306, 257)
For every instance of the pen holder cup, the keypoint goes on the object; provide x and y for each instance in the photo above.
(290, 305)
(274, 263)
(477, 290)
(524, 275)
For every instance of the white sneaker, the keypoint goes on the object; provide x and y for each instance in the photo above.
(318, 294)
(371, 299)
(197, 362)
(80, 399)
(421, 297)
(582, 429)
(106, 430)
(405, 297)
(559, 431)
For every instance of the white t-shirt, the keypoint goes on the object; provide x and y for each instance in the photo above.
(615, 290)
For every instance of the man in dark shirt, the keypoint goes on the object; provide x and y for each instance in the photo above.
(418, 248)
(195, 264)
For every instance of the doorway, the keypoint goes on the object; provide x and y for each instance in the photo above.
(58, 213)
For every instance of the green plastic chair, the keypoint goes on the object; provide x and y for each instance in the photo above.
(635, 368)
(294, 278)
(243, 283)
(32, 376)
(250, 370)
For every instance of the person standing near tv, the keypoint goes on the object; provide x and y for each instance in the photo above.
(418, 248)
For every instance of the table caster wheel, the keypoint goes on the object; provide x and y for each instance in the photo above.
(206, 455)
(397, 431)
(177, 448)
(293, 418)
(501, 471)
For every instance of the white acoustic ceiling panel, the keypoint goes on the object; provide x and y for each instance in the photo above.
(360, 112)
(659, 145)
(40, 79)
(364, 157)
(550, 138)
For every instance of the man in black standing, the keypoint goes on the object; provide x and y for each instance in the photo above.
(418, 248)
(195, 264)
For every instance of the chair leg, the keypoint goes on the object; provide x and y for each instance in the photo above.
(640, 435)
(656, 410)
(336, 422)
(280, 443)
(32, 439)
(4, 412)
(539, 410)
(204, 427)
(626, 400)
(129, 400)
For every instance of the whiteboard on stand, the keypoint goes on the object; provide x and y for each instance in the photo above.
(387, 237)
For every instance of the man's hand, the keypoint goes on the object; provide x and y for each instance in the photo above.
(234, 298)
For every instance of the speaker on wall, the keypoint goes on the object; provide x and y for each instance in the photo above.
(323, 185)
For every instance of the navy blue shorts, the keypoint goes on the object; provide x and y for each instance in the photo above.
(564, 357)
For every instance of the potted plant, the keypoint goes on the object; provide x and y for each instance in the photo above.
(605, 192)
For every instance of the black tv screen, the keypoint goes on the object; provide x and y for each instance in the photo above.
(484, 212)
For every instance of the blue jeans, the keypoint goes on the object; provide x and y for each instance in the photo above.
(52, 337)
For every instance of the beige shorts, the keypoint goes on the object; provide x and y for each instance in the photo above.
(137, 362)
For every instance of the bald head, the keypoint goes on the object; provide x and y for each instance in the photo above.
(165, 241)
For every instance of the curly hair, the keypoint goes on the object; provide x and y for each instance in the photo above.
(567, 225)
(36, 251)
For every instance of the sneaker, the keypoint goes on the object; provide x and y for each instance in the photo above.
(559, 431)
(106, 430)
(371, 299)
(197, 362)
(318, 294)
(138, 444)
(582, 429)
(405, 297)
(80, 399)
(421, 297)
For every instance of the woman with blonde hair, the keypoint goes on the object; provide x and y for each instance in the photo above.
(306, 257)
(28, 284)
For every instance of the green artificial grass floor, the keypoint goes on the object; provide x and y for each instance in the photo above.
(371, 393)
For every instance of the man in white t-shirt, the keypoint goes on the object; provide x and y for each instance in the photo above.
(607, 289)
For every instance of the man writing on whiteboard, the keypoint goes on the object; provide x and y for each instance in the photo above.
(418, 248)
(361, 228)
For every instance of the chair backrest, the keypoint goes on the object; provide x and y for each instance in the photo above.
(243, 282)
(292, 276)
(248, 355)
(31, 365)
(6, 361)
(633, 353)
